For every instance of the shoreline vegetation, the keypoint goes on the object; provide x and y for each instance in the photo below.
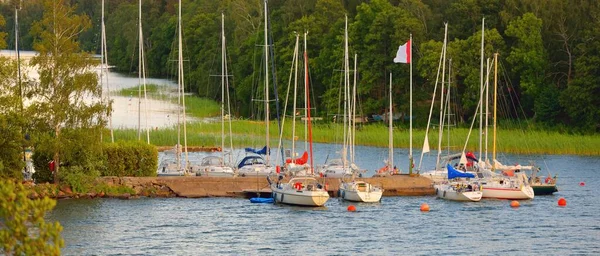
(207, 133)
(251, 133)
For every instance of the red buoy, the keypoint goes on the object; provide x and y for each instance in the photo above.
(582, 183)
(514, 204)
(351, 208)
(424, 207)
(562, 202)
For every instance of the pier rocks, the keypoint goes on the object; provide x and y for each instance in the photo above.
(197, 187)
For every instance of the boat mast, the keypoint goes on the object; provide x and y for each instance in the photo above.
(142, 80)
(426, 140)
(307, 101)
(104, 71)
(182, 85)
(223, 86)
(306, 109)
(487, 94)
(295, 96)
(266, 88)
(346, 110)
(481, 86)
(18, 55)
(441, 126)
(447, 110)
(353, 116)
(495, 102)
(227, 91)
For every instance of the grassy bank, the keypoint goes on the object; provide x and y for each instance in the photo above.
(252, 133)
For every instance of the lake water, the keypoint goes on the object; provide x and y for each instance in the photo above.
(232, 226)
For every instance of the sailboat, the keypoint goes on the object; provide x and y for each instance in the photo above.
(215, 165)
(439, 170)
(458, 187)
(336, 167)
(254, 164)
(304, 189)
(170, 167)
(361, 191)
(513, 186)
(300, 166)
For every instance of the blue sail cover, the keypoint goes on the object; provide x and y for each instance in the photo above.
(262, 151)
(453, 173)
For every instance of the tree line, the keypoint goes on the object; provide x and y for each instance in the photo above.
(549, 53)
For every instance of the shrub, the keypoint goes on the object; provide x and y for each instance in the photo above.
(134, 159)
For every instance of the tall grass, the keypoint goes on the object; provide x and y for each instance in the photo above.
(252, 133)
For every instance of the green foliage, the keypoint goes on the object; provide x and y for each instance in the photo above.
(11, 155)
(79, 179)
(581, 97)
(23, 230)
(11, 122)
(524, 32)
(67, 94)
(527, 56)
(135, 159)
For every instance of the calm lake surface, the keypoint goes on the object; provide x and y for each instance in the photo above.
(231, 226)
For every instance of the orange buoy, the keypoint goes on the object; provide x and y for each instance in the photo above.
(514, 204)
(582, 183)
(424, 207)
(562, 202)
(351, 208)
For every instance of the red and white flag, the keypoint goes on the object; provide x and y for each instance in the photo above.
(403, 54)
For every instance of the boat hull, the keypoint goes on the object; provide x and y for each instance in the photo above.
(358, 196)
(301, 198)
(508, 193)
(255, 170)
(360, 192)
(447, 193)
(216, 171)
(544, 189)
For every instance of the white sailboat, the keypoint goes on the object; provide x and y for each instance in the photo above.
(170, 167)
(298, 166)
(501, 186)
(255, 165)
(339, 168)
(441, 66)
(215, 165)
(361, 191)
(302, 191)
(458, 187)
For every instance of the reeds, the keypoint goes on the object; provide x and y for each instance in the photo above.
(252, 133)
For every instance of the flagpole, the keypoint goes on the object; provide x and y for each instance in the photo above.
(391, 138)
(410, 154)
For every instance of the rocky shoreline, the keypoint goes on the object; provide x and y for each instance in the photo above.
(201, 187)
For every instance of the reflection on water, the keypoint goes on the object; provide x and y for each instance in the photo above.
(130, 110)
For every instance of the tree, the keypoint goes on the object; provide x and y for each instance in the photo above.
(67, 94)
(10, 117)
(23, 230)
(527, 56)
(581, 97)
